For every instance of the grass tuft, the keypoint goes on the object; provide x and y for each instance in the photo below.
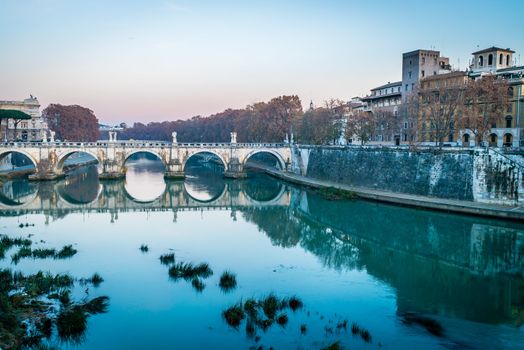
(234, 315)
(295, 303)
(282, 319)
(228, 281)
(197, 284)
(66, 252)
(167, 259)
(144, 248)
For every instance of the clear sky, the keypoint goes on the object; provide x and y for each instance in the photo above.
(163, 60)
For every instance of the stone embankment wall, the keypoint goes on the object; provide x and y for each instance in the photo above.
(464, 174)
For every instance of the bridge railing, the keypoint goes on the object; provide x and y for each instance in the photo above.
(143, 144)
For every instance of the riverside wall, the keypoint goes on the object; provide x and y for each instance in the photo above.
(477, 175)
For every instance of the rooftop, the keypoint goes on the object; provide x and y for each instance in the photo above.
(388, 85)
(491, 49)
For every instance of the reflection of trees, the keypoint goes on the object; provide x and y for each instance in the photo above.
(275, 223)
(438, 263)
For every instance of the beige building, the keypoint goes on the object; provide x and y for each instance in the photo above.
(26, 130)
(508, 130)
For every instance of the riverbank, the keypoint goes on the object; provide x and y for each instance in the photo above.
(424, 202)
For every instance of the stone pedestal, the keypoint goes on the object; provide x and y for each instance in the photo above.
(174, 170)
(235, 170)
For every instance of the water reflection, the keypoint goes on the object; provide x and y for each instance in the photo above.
(204, 180)
(144, 180)
(449, 266)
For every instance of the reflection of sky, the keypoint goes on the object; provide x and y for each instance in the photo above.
(145, 179)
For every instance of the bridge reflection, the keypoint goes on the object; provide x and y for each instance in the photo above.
(83, 192)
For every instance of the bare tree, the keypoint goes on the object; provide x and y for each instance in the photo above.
(439, 111)
(486, 99)
(361, 125)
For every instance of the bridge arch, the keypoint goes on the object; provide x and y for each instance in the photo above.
(203, 151)
(137, 151)
(278, 156)
(20, 151)
(62, 157)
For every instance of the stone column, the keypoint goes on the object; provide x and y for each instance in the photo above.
(175, 166)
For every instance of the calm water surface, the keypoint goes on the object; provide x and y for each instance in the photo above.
(365, 262)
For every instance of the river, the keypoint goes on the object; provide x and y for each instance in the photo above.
(413, 278)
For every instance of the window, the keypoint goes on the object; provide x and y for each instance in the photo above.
(405, 125)
(406, 87)
(490, 59)
(434, 73)
(423, 74)
(423, 60)
(501, 59)
(507, 60)
(493, 125)
(510, 107)
(409, 75)
(508, 121)
(481, 61)
(510, 91)
(412, 86)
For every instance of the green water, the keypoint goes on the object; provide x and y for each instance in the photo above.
(365, 262)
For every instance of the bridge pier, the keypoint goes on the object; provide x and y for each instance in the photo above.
(175, 170)
(46, 170)
(235, 170)
(112, 170)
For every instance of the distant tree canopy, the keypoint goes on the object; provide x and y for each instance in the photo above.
(262, 121)
(74, 123)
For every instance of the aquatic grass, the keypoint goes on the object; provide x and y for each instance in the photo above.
(234, 315)
(342, 324)
(66, 252)
(188, 271)
(96, 305)
(71, 324)
(198, 285)
(295, 303)
(144, 248)
(303, 329)
(282, 319)
(250, 307)
(228, 281)
(43, 253)
(334, 346)
(95, 280)
(167, 259)
(364, 333)
(333, 193)
(270, 304)
(23, 252)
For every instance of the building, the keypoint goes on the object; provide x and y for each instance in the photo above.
(384, 102)
(26, 130)
(419, 64)
(508, 131)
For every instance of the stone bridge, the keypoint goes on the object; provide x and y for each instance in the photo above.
(49, 157)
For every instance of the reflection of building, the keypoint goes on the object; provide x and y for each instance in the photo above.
(26, 130)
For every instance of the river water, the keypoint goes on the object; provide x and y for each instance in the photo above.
(391, 270)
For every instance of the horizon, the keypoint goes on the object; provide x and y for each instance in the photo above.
(167, 60)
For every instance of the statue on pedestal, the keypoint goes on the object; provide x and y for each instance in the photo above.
(233, 137)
